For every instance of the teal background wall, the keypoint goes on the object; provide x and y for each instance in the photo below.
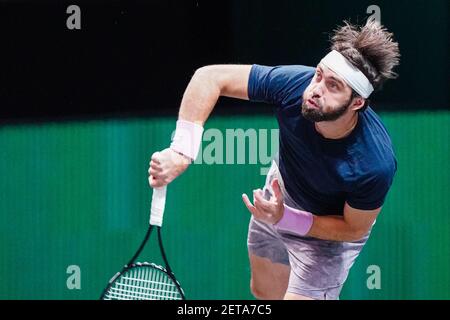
(76, 193)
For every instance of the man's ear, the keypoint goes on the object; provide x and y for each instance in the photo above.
(358, 103)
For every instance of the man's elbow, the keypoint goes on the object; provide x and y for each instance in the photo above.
(208, 75)
(205, 72)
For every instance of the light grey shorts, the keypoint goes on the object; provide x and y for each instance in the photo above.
(319, 268)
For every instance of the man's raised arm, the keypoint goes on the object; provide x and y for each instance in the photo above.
(199, 99)
(207, 84)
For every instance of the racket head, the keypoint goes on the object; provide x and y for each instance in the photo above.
(143, 281)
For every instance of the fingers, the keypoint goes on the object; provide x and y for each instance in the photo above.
(152, 181)
(165, 166)
(155, 182)
(260, 202)
(156, 157)
(276, 189)
(248, 204)
(262, 209)
(154, 175)
(260, 205)
(155, 166)
(155, 171)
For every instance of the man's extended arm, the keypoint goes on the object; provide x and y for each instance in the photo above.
(199, 99)
(207, 85)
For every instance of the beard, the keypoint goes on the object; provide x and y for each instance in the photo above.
(318, 115)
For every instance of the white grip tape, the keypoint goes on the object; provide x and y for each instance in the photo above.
(158, 203)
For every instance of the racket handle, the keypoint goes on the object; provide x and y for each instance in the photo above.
(158, 203)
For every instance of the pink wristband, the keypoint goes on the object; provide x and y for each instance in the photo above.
(295, 221)
(187, 138)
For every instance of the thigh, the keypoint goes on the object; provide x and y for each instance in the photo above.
(319, 268)
(269, 280)
(269, 261)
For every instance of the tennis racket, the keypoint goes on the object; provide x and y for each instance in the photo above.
(144, 280)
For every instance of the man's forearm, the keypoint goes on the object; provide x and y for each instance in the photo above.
(333, 228)
(200, 97)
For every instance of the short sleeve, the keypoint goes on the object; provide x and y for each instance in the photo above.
(371, 191)
(277, 84)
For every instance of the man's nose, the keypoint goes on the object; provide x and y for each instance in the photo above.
(317, 90)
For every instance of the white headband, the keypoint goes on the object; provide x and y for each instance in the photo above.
(352, 75)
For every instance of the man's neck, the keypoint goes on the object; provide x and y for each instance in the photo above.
(339, 128)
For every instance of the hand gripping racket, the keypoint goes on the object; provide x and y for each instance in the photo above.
(144, 280)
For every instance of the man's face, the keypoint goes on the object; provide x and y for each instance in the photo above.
(327, 97)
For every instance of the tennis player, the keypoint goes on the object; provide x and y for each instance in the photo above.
(334, 168)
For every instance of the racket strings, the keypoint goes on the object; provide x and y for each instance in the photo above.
(144, 283)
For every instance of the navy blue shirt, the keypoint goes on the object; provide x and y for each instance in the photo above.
(322, 174)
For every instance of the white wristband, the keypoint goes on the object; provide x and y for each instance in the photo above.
(187, 138)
